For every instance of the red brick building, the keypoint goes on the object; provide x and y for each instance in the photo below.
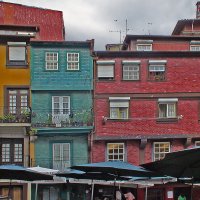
(146, 99)
(41, 24)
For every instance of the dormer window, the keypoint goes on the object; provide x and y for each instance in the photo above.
(144, 45)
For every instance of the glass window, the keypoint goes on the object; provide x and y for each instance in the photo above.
(60, 108)
(167, 110)
(115, 151)
(18, 101)
(51, 59)
(131, 71)
(72, 61)
(11, 151)
(160, 149)
(144, 47)
(156, 72)
(194, 47)
(119, 109)
(61, 156)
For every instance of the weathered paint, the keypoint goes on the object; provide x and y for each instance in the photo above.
(49, 22)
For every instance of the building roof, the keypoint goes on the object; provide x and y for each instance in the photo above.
(145, 54)
(184, 22)
(87, 43)
(128, 38)
(46, 20)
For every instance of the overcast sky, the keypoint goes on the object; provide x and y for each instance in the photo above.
(103, 20)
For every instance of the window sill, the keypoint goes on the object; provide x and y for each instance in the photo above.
(130, 80)
(17, 65)
(119, 120)
(105, 80)
(167, 120)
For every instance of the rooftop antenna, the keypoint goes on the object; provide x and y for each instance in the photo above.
(149, 23)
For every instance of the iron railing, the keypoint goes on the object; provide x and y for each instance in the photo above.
(15, 115)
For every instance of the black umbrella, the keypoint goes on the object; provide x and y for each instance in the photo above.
(116, 168)
(21, 173)
(181, 164)
(185, 163)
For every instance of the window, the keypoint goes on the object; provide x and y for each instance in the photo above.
(17, 53)
(115, 151)
(131, 70)
(160, 149)
(61, 156)
(167, 108)
(60, 108)
(195, 48)
(51, 59)
(18, 100)
(144, 45)
(195, 45)
(119, 107)
(72, 61)
(105, 70)
(11, 151)
(197, 143)
(157, 70)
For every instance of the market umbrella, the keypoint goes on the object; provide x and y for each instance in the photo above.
(179, 164)
(117, 168)
(21, 173)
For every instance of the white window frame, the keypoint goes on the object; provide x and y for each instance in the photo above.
(160, 154)
(168, 103)
(51, 60)
(157, 70)
(115, 152)
(62, 163)
(59, 114)
(131, 70)
(118, 107)
(195, 47)
(73, 64)
(144, 47)
(105, 70)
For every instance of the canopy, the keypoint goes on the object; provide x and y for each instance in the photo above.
(185, 163)
(44, 170)
(21, 173)
(117, 168)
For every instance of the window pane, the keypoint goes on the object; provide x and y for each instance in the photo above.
(160, 150)
(115, 151)
(131, 72)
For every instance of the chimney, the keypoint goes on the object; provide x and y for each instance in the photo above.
(198, 10)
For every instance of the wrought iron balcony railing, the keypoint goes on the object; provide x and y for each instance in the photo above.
(62, 118)
(15, 115)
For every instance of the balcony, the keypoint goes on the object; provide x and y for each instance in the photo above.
(61, 118)
(15, 116)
